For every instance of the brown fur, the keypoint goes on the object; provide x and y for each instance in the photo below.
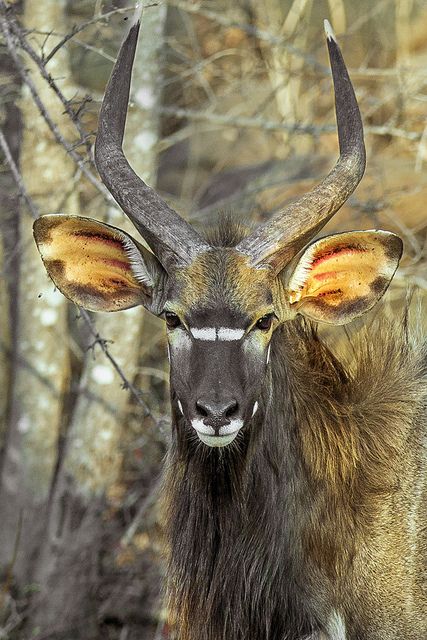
(220, 275)
(321, 507)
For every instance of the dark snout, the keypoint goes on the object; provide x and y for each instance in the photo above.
(217, 385)
(219, 406)
(216, 413)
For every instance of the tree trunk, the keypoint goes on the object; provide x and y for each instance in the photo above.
(42, 354)
(69, 567)
(5, 349)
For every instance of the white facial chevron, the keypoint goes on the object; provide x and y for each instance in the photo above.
(217, 333)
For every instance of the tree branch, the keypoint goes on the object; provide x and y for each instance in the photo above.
(41, 64)
(84, 314)
(9, 39)
(247, 122)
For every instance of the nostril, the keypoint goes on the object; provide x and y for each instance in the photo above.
(232, 409)
(216, 412)
(201, 409)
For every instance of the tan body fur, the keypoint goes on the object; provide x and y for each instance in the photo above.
(356, 437)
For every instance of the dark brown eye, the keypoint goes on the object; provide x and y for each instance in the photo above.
(264, 323)
(172, 320)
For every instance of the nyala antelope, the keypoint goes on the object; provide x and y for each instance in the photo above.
(294, 495)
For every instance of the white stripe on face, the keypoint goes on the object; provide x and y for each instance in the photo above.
(207, 333)
(224, 333)
(220, 333)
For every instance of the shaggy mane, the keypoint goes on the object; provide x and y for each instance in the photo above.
(257, 530)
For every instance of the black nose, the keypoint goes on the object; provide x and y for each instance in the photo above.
(216, 414)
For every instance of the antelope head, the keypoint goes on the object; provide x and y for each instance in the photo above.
(221, 303)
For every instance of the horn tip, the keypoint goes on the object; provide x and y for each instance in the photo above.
(329, 31)
(136, 18)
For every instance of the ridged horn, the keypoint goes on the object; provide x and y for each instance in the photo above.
(171, 238)
(277, 241)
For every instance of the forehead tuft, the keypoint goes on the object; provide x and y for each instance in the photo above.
(222, 278)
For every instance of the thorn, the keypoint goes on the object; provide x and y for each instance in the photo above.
(329, 31)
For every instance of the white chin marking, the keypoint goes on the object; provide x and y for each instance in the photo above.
(217, 441)
(255, 409)
(201, 427)
(227, 433)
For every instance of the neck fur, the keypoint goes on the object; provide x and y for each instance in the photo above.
(254, 530)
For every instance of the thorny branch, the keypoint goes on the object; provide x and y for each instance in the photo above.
(84, 25)
(77, 28)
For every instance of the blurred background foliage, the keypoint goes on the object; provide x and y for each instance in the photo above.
(231, 110)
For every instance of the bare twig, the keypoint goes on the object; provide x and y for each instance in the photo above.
(102, 342)
(99, 339)
(17, 177)
(145, 505)
(84, 25)
(9, 39)
(25, 46)
(271, 125)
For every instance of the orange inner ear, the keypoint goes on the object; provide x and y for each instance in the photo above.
(94, 265)
(333, 273)
(91, 257)
(342, 276)
(102, 258)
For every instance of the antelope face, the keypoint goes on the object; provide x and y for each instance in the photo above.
(221, 305)
(220, 316)
(220, 310)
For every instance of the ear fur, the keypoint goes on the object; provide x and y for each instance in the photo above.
(97, 266)
(340, 277)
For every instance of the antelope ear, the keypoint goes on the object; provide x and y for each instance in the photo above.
(97, 266)
(340, 277)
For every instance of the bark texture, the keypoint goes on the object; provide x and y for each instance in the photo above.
(5, 347)
(42, 357)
